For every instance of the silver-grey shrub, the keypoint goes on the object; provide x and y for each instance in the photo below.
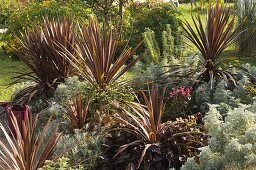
(231, 142)
(71, 87)
(82, 148)
(220, 95)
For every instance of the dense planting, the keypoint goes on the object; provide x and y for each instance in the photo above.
(99, 103)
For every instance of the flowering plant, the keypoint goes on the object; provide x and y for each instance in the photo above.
(183, 92)
(179, 100)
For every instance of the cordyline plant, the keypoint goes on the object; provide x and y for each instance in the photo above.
(80, 118)
(40, 52)
(78, 111)
(20, 112)
(144, 122)
(160, 145)
(97, 59)
(212, 40)
(27, 149)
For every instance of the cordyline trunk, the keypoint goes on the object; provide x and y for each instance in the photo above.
(210, 67)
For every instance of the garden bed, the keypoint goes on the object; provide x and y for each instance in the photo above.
(87, 93)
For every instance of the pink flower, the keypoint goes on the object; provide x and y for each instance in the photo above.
(181, 91)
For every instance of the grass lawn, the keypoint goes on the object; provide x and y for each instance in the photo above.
(8, 67)
(250, 60)
(186, 11)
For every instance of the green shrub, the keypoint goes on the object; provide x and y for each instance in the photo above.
(6, 8)
(155, 18)
(62, 164)
(231, 142)
(34, 12)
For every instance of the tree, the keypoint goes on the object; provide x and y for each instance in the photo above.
(107, 8)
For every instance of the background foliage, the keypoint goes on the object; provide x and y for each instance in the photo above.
(33, 13)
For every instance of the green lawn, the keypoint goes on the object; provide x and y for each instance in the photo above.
(251, 60)
(186, 11)
(8, 69)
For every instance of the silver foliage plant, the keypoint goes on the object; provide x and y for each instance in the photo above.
(250, 72)
(81, 148)
(231, 142)
(220, 95)
(78, 151)
(64, 92)
(69, 89)
(224, 97)
(150, 73)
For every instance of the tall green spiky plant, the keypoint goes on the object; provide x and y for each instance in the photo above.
(168, 43)
(154, 66)
(169, 51)
(152, 46)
